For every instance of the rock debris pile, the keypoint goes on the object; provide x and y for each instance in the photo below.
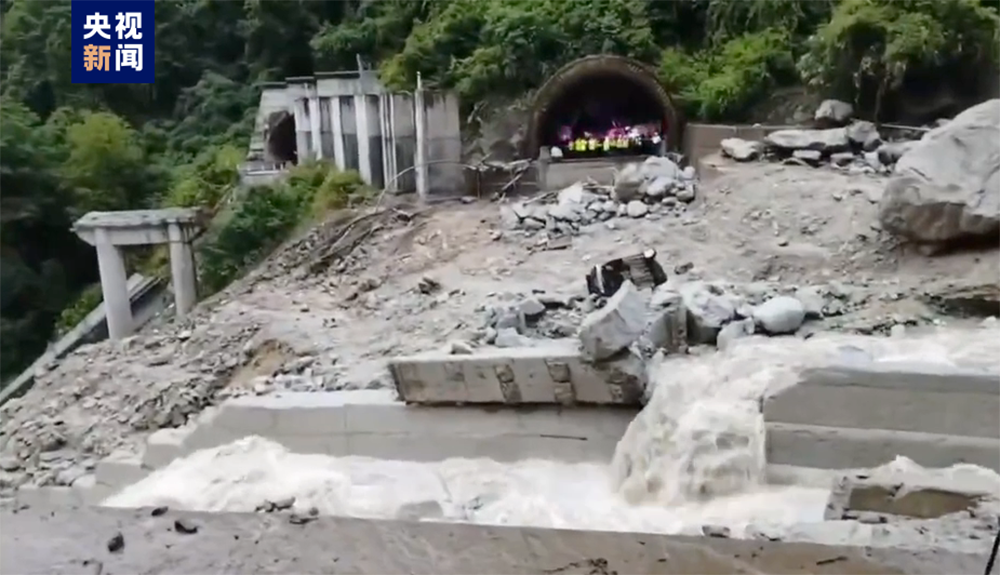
(654, 188)
(841, 142)
(678, 314)
(84, 418)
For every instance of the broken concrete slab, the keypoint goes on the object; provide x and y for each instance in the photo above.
(905, 375)
(165, 445)
(900, 396)
(607, 331)
(666, 323)
(908, 495)
(554, 373)
(45, 540)
(841, 448)
(120, 469)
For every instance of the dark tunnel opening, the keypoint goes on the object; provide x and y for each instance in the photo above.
(281, 144)
(604, 105)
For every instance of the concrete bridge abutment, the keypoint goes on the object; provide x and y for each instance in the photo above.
(110, 232)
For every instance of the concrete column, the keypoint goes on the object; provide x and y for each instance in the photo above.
(364, 155)
(338, 133)
(542, 169)
(114, 286)
(182, 270)
(388, 142)
(420, 157)
(316, 126)
(301, 129)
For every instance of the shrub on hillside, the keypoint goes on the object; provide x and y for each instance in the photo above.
(75, 312)
(260, 222)
(207, 180)
(723, 82)
(869, 47)
(268, 214)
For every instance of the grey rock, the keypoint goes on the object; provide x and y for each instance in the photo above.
(687, 193)
(841, 158)
(8, 463)
(509, 218)
(69, 475)
(812, 301)
(827, 141)
(655, 167)
(575, 194)
(459, 347)
(890, 153)
(872, 160)
(720, 531)
(780, 315)
(509, 317)
(532, 308)
(733, 331)
(627, 183)
(666, 325)
(607, 331)
(834, 112)
(532, 225)
(636, 209)
(741, 150)
(508, 337)
(864, 135)
(947, 187)
(811, 157)
(658, 188)
(708, 309)
(566, 212)
(688, 173)
(627, 373)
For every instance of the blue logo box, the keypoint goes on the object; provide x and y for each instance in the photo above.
(113, 42)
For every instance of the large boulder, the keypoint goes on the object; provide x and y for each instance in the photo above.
(609, 330)
(826, 141)
(741, 150)
(834, 113)
(947, 186)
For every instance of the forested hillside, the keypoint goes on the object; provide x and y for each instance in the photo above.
(66, 149)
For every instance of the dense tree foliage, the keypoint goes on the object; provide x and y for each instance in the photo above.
(68, 148)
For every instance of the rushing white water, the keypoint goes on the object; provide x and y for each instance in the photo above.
(702, 434)
(240, 475)
(693, 456)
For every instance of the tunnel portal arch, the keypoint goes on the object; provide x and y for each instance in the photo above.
(608, 73)
(280, 139)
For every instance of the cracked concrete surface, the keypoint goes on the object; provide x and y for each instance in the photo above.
(72, 541)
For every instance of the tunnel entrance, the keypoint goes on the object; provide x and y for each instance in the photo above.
(603, 106)
(281, 144)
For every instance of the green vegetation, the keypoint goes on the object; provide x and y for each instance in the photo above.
(66, 148)
(265, 216)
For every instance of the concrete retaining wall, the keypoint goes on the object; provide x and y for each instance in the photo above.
(43, 541)
(851, 416)
(374, 424)
(551, 374)
(843, 448)
(894, 395)
(702, 140)
(367, 424)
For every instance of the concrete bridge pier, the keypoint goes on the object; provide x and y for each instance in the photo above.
(109, 232)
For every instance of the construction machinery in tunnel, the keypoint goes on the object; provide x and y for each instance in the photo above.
(594, 91)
